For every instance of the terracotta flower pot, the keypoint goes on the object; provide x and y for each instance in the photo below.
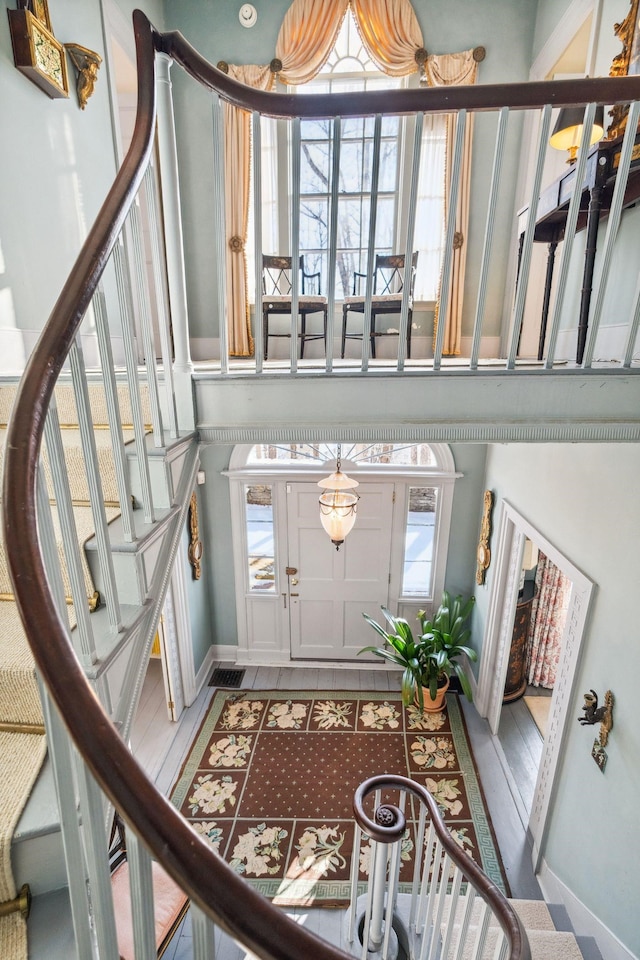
(434, 706)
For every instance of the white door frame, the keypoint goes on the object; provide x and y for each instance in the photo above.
(266, 644)
(513, 528)
(178, 639)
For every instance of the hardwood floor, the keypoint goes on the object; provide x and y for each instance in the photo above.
(161, 745)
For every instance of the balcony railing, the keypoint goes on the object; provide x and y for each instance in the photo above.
(571, 325)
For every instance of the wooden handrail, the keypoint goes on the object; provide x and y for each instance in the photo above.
(214, 886)
(484, 96)
(392, 831)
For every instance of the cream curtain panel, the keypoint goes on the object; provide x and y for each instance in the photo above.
(391, 34)
(237, 166)
(455, 68)
(307, 37)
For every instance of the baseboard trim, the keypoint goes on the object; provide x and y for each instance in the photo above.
(257, 659)
(610, 345)
(215, 653)
(584, 922)
(205, 349)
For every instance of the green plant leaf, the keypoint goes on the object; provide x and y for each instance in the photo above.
(376, 626)
(409, 687)
(464, 681)
(385, 655)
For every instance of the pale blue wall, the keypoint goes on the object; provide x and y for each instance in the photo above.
(583, 499)
(198, 592)
(57, 163)
(217, 536)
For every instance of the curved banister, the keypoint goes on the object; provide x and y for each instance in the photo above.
(392, 831)
(482, 96)
(191, 861)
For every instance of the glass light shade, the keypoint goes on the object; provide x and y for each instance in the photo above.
(567, 132)
(338, 481)
(338, 513)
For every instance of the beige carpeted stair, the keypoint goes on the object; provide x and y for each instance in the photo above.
(22, 754)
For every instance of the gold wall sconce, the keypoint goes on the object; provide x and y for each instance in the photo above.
(87, 63)
(483, 556)
(196, 549)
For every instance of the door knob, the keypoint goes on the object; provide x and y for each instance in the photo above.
(294, 582)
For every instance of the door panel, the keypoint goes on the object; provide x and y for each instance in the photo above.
(336, 586)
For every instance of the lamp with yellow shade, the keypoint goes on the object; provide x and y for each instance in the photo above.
(567, 133)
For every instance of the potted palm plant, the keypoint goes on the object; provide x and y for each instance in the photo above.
(428, 660)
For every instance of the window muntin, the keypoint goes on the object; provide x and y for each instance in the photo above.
(417, 567)
(260, 533)
(354, 186)
(316, 454)
(350, 68)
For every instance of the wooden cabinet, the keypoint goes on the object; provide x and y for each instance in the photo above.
(516, 683)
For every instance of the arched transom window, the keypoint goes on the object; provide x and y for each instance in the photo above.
(421, 476)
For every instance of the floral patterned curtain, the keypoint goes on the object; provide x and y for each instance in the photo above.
(548, 615)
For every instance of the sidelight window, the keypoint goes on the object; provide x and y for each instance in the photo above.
(260, 537)
(420, 532)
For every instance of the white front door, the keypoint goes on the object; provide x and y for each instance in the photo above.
(335, 587)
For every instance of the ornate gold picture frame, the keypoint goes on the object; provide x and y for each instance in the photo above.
(37, 53)
(40, 9)
(483, 556)
(626, 63)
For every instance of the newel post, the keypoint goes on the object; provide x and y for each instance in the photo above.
(176, 278)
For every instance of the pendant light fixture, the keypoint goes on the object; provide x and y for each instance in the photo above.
(338, 503)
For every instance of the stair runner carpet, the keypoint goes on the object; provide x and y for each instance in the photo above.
(22, 754)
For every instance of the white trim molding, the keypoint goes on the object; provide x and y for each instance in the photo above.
(269, 643)
(568, 25)
(512, 530)
(584, 922)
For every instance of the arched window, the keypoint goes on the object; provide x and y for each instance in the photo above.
(348, 69)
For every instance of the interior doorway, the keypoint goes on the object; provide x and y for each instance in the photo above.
(536, 646)
(513, 531)
(297, 598)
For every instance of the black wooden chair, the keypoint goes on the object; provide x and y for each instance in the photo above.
(388, 283)
(276, 299)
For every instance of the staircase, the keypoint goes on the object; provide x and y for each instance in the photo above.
(91, 664)
(31, 847)
(453, 912)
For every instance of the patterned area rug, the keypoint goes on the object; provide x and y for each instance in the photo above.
(269, 781)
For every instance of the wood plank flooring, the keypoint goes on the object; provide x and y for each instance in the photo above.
(161, 746)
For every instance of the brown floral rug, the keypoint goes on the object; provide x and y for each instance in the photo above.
(269, 781)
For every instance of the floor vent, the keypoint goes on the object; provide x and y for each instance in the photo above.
(226, 678)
